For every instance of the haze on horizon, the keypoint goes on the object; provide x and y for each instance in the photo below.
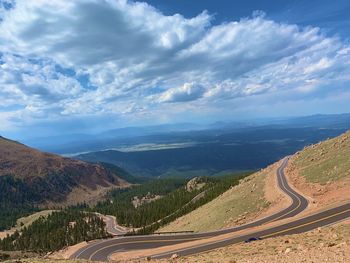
(93, 65)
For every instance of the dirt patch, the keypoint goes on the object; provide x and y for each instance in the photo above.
(4, 234)
(67, 252)
(90, 196)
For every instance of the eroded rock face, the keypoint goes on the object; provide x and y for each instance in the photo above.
(195, 183)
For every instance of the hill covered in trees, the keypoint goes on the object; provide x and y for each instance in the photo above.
(30, 179)
(59, 229)
(176, 201)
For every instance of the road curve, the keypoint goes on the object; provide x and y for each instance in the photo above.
(101, 250)
(112, 227)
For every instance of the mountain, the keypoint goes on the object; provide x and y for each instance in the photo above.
(176, 133)
(208, 153)
(31, 176)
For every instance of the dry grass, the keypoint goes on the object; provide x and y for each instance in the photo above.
(325, 162)
(322, 171)
(326, 245)
(232, 207)
(28, 220)
(329, 244)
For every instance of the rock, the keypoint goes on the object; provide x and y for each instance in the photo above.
(195, 183)
(341, 244)
(174, 256)
(334, 236)
(288, 250)
(331, 244)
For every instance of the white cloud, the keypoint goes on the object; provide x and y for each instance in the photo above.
(187, 92)
(138, 60)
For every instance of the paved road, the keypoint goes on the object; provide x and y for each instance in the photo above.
(101, 250)
(112, 227)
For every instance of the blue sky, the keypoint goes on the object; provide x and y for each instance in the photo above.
(92, 65)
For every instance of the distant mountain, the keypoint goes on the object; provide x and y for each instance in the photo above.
(30, 176)
(214, 152)
(335, 121)
(71, 143)
(177, 133)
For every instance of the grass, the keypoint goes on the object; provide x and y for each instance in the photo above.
(244, 199)
(327, 161)
(28, 220)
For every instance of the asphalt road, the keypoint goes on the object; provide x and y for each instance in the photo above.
(112, 228)
(101, 250)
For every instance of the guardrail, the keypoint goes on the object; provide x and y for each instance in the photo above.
(176, 232)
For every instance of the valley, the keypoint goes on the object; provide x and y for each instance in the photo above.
(211, 152)
(136, 131)
(231, 209)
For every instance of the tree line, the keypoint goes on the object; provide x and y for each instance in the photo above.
(149, 217)
(58, 230)
(16, 200)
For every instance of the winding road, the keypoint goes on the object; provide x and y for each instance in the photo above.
(101, 250)
(112, 227)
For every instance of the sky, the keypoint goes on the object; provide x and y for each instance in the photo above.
(86, 66)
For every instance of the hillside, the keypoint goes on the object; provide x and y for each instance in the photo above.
(322, 171)
(254, 197)
(51, 176)
(322, 245)
(29, 177)
(330, 244)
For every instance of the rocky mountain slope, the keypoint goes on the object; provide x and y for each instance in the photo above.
(322, 171)
(28, 175)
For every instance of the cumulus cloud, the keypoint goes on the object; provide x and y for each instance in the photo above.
(140, 61)
(187, 92)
